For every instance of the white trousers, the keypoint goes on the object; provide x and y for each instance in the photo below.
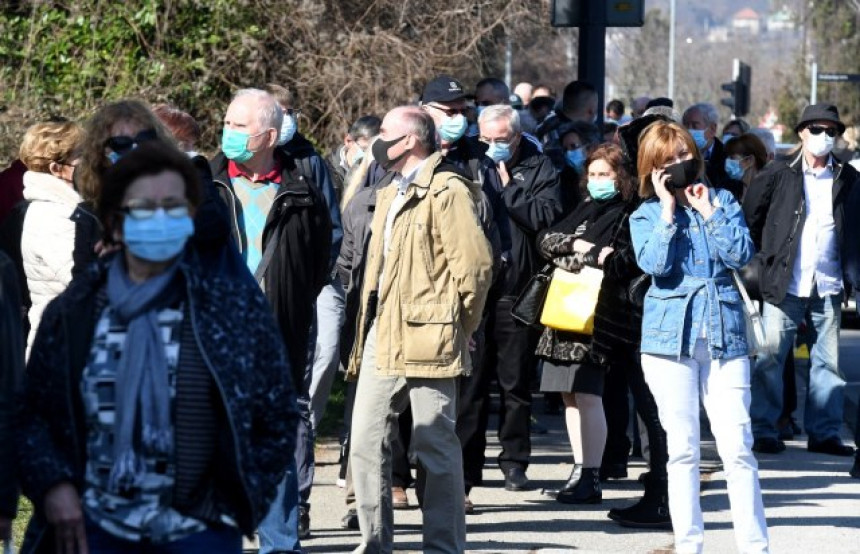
(724, 386)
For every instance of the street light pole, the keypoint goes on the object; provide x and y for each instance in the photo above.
(671, 92)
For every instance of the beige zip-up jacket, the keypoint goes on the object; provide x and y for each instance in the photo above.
(437, 274)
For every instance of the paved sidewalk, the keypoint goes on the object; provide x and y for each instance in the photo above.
(812, 506)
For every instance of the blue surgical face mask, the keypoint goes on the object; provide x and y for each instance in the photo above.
(158, 238)
(288, 130)
(727, 137)
(478, 110)
(113, 157)
(357, 157)
(601, 189)
(234, 144)
(698, 136)
(734, 169)
(452, 128)
(576, 158)
(499, 151)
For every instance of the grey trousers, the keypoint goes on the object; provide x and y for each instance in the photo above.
(378, 400)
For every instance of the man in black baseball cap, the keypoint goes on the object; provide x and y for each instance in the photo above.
(800, 214)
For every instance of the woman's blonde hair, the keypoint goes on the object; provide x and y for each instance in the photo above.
(98, 131)
(657, 146)
(45, 143)
(357, 175)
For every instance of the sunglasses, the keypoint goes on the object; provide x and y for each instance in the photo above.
(818, 129)
(450, 112)
(122, 144)
(145, 209)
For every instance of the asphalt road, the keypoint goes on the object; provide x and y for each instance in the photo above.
(811, 503)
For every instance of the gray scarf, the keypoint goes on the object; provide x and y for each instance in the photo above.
(142, 387)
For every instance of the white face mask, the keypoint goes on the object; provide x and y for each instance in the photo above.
(819, 145)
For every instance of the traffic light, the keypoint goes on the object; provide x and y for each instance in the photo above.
(739, 89)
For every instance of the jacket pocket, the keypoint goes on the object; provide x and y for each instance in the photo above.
(664, 312)
(732, 314)
(428, 334)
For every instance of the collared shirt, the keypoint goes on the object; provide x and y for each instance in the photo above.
(402, 183)
(817, 262)
(256, 195)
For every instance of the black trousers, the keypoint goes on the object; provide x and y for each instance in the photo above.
(510, 357)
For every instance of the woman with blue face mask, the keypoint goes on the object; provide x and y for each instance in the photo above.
(596, 233)
(745, 157)
(576, 138)
(141, 422)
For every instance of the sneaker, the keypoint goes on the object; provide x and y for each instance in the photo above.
(304, 522)
(470, 507)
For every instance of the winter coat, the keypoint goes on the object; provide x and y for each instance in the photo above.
(533, 202)
(11, 370)
(241, 347)
(436, 277)
(616, 321)
(300, 224)
(47, 240)
(775, 210)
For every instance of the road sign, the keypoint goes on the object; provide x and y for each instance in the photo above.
(839, 77)
(619, 13)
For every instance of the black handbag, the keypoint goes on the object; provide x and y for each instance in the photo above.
(750, 275)
(529, 304)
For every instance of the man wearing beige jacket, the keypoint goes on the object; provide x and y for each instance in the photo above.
(428, 269)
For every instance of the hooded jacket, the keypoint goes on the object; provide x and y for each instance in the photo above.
(437, 274)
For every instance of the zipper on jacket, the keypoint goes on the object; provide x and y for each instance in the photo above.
(234, 212)
(798, 213)
(220, 386)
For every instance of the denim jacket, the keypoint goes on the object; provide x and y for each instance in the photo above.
(691, 262)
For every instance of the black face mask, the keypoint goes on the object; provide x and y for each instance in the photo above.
(380, 152)
(682, 174)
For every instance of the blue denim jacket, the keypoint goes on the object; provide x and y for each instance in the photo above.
(691, 262)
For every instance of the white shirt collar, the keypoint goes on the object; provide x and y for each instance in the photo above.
(807, 169)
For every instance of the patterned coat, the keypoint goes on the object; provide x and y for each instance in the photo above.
(237, 336)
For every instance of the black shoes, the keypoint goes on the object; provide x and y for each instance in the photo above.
(575, 475)
(651, 512)
(832, 446)
(768, 445)
(515, 479)
(586, 491)
(613, 471)
(855, 471)
(304, 522)
(350, 520)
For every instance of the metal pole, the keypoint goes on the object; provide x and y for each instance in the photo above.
(813, 97)
(591, 62)
(509, 57)
(671, 92)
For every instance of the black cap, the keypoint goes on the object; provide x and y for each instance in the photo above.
(443, 88)
(820, 112)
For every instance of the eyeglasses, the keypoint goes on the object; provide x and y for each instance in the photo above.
(122, 144)
(818, 129)
(295, 112)
(146, 209)
(450, 112)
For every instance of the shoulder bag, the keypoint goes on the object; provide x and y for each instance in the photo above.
(529, 304)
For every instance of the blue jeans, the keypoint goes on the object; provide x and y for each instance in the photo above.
(822, 418)
(279, 530)
(220, 540)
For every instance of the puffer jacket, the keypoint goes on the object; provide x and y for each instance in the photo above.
(47, 240)
(437, 274)
(243, 351)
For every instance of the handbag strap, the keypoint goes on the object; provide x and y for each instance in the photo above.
(751, 307)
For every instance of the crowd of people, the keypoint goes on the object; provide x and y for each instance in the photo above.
(172, 324)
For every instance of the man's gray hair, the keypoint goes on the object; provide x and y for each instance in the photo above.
(709, 112)
(270, 115)
(665, 111)
(767, 138)
(502, 111)
(421, 126)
